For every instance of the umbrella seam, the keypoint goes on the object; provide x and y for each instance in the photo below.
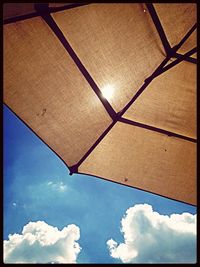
(188, 59)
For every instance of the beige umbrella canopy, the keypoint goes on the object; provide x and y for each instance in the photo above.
(110, 88)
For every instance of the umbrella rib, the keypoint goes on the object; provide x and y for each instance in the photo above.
(74, 168)
(155, 129)
(19, 18)
(65, 7)
(178, 60)
(160, 69)
(159, 28)
(54, 27)
(168, 49)
(188, 59)
(145, 84)
(184, 39)
(47, 9)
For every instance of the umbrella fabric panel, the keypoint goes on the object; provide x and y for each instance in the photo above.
(43, 86)
(177, 19)
(117, 43)
(169, 102)
(59, 4)
(17, 9)
(147, 160)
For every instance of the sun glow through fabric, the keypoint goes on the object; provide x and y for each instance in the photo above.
(108, 91)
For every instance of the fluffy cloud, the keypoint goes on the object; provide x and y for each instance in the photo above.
(153, 238)
(43, 243)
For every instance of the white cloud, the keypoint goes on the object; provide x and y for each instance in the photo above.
(150, 237)
(43, 243)
(60, 186)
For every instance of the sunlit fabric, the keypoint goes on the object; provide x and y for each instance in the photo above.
(45, 89)
(145, 159)
(96, 84)
(111, 46)
(178, 113)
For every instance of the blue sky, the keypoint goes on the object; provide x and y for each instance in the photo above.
(37, 187)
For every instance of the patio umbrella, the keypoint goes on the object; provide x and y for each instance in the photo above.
(110, 88)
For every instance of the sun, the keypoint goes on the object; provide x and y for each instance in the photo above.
(107, 91)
